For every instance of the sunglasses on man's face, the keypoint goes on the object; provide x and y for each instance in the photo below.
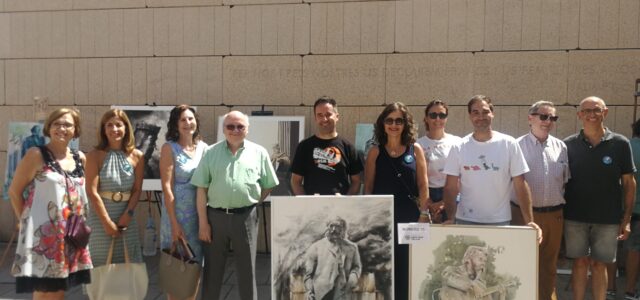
(234, 127)
(435, 115)
(391, 121)
(544, 117)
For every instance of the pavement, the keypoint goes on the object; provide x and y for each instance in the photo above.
(230, 287)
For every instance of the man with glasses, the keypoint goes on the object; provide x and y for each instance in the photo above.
(325, 163)
(548, 164)
(232, 177)
(600, 196)
(483, 168)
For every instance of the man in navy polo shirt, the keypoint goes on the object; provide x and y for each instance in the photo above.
(600, 196)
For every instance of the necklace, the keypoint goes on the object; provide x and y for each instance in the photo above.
(395, 151)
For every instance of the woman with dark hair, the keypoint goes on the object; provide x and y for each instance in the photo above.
(53, 178)
(436, 145)
(115, 170)
(397, 166)
(179, 158)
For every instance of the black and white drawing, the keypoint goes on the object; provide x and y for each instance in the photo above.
(332, 247)
(475, 262)
(280, 136)
(149, 129)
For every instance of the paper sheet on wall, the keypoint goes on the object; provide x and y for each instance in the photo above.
(412, 233)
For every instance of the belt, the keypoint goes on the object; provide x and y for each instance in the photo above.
(116, 196)
(232, 211)
(544, 208)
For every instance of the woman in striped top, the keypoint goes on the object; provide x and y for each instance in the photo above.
(114, 173)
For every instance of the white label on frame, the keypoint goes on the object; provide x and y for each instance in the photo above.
(412, 233)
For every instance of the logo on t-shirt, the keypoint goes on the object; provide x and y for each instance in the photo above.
(482, 166)
(327, 158)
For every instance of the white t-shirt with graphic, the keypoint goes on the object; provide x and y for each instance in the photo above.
(436, 152)
(485, 170)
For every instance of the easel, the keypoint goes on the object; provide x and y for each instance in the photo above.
(40, 107)
(264, 204)
(6, 251)
(157, 199)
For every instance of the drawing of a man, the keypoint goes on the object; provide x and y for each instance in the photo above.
(332, 264)
(466, 281)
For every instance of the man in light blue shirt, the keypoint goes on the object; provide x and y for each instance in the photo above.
(232, 177)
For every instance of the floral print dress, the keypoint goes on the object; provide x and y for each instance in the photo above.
(185, 199)
(43, 260)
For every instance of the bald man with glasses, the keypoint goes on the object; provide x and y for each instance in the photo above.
(600, 195)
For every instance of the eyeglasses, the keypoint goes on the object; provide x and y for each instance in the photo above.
(434, 115)
(588, 111)
(64, 125)
(544, 117)
(234, 127)
(391, 121)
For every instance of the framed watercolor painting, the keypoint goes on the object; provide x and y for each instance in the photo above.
(475, 262)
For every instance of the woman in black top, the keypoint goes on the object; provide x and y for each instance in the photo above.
(397, 166)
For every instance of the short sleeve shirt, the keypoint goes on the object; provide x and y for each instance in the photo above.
(234, 180)
(594, 192)
(485, 170)
(436, 152)
(549, 170)
(326, 165)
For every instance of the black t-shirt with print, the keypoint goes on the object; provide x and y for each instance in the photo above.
(326, 165)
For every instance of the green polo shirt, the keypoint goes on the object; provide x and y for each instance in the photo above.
(234, 181)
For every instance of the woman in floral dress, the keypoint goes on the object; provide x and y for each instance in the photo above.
(52, 178)
(179, 157)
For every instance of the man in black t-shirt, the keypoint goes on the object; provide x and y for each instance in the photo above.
(325, 163)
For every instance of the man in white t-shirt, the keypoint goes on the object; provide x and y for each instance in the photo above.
(482, 168)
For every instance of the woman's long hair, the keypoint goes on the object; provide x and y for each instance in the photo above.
(409, 132)
(174, 118)
(128, 141)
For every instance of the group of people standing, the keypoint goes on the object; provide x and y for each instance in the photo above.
(585, 185)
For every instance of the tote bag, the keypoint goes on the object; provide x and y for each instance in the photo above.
(179, 273)
(127, 281)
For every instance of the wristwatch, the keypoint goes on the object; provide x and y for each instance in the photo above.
(130, 212)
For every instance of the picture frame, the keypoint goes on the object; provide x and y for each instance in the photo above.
(365, 139)
(444, 266)
(149, 127)
(21, 137)
(280, 135)
(302, 232)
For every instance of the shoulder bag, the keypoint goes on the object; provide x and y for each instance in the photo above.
(179, 272)
(118, 281)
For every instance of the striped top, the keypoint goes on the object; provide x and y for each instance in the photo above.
(119, 172)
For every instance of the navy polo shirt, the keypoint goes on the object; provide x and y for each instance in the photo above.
(594, 192)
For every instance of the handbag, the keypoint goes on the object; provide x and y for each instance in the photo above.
(179, 272)
(118, 281)
(76, 231)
